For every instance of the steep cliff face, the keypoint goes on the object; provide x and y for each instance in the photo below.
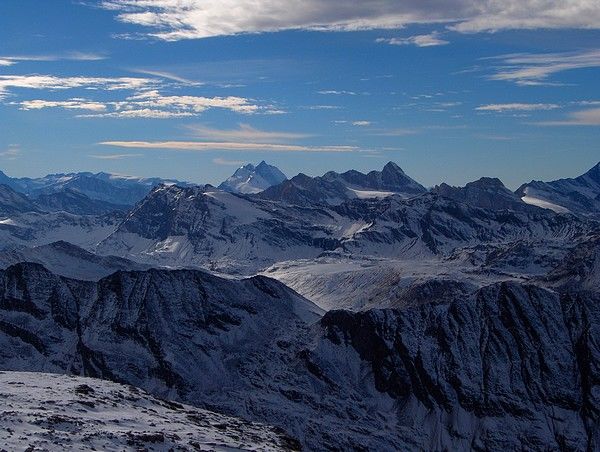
(510, 366)
(515, 367)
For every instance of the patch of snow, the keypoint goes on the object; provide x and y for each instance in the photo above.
(368, 194)
(544, 204)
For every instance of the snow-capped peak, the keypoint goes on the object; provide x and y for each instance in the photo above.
(253, 179)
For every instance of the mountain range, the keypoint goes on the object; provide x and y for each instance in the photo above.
(347, 311)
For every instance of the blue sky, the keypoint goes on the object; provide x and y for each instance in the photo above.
(190, 89)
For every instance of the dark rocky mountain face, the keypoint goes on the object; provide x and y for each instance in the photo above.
(511, 367)
(12, 202)
(514, 367)
(72, 201)
(304, 190)
(335, 188)
(487, 193)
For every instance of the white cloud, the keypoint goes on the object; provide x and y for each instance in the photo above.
(71, 104)
(225, 162)
(321, 107)
(225, 146)
(12, 153)
(516, 107)
(50, 82)
(9, 60)
(245, 133)
(589, 117)
(174, 20)
(587, 102)
(145, 102)
(337, 92)
(147, 113)
(361, 123)
(429, 40)
(534, 69)
(153, 99)
(115, 156)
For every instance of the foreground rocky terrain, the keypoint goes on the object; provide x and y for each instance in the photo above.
(53, 412)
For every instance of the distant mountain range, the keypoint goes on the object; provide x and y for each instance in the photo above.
(335, 188)
(113, 189)
(100, 193)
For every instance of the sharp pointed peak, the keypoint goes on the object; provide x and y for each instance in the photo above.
(392, 166)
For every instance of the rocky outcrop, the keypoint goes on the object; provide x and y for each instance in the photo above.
(512, 368)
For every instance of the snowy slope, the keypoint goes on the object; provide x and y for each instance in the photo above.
(580, 195)
(68, 260)
(40, 228)
(55, 412)
(206, 227)
(253, 179)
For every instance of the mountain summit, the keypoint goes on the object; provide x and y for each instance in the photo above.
(253, 179)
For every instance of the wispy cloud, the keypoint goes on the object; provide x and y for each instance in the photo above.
(500, 108)
(590, 117)
(50, 82)
(145, 102)
(337, 92)
(429, 40)
(361, 123)
(173, 20)
(527, 69)
(9, 60)
(321, 107)
(71, 104)
(400, 132)
(168, 76)
(12, 153)
(201, 146)
(245, 133)
(225, 162)
(114, 156)
(147, 113)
